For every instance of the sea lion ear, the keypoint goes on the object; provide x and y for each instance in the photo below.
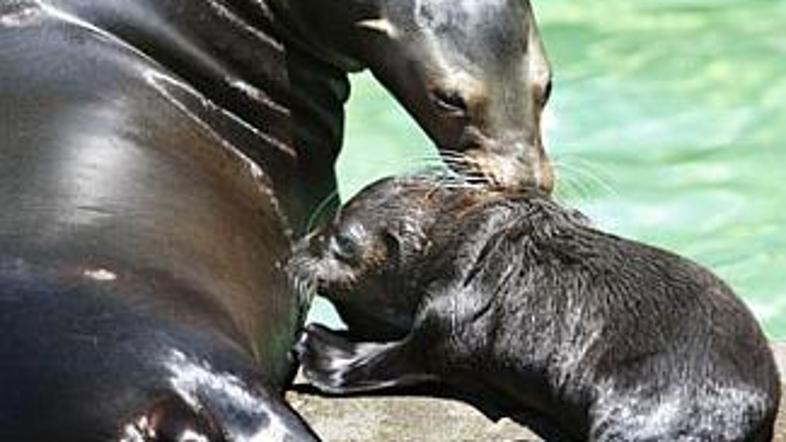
(171, 419)
(392, 244)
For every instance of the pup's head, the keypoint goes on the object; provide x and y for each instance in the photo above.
(366, 260)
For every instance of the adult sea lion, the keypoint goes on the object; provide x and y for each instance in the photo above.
(139, 294)
(155, 156)
(473, 73)
(517, 303)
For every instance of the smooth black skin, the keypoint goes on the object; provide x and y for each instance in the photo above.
(136, 240)
(86, 360)
(521, 306)
(155, 158)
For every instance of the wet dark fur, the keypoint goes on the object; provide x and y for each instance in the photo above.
(519, 304)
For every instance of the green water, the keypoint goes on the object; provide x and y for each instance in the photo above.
(669, 128)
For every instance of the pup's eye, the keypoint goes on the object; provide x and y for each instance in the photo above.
(345, 248)
(449, 101)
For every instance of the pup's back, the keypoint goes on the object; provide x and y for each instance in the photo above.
(663, 347)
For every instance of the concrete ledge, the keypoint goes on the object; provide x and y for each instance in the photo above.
(411, 419)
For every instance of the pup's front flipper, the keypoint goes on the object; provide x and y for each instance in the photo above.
(336, 365)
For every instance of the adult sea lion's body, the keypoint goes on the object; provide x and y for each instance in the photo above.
(154, 157)
(138, 245)
(517, 304)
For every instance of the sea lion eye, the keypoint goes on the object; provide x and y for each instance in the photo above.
(345, 248)
(449, 101)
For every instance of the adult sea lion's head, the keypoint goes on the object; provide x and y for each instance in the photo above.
(473, 73)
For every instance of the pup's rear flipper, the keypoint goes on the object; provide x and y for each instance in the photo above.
(336, 365)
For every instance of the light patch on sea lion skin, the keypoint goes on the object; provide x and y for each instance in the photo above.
(20, 17)
(190, 435)
(430, 14)
(257, 94)
(102, 275)
(141, 431)
(227, 13)
(195, 380)
(137, 431)
(382, 25)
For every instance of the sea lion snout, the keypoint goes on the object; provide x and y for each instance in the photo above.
(511, 165)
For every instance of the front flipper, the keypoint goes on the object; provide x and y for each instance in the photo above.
(336, 365)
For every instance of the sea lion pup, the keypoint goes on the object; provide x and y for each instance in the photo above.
(518, 302)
